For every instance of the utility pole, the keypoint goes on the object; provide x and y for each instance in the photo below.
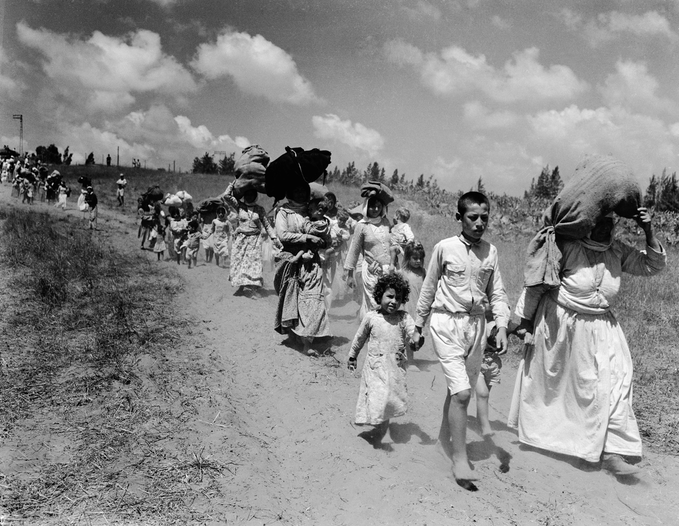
(20, 118)
(118, 158)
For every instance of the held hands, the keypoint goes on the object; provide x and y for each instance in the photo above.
(417, 342)
(524, 328)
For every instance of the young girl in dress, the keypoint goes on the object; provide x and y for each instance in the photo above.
(206, 240)
(160, 245)
(221, 232)
(413, 271)
(388, 331)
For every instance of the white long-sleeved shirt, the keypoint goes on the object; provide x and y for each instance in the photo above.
(461, 278)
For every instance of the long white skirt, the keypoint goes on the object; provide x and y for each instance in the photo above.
(573, 392)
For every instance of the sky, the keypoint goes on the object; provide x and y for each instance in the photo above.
(460, 90)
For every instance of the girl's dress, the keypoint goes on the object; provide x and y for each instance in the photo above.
(372, 240)
(573, 392)
(220, 237)
(246, 253)
(160, 245)
(383, 394)
(206, 238)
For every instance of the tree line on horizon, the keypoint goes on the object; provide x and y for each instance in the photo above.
(662, 193)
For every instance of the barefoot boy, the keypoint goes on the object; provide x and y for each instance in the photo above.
(463, 274)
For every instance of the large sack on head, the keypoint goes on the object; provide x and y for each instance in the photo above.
(295, 167)
(184, 195)
(378, 190)
(251, 177)
(600, 185)
(252, 154)
(152, 195)
(172, 200)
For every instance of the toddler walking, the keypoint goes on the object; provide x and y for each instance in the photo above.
(388, 330)
(413, 271)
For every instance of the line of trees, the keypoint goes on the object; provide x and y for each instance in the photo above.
(207, 165)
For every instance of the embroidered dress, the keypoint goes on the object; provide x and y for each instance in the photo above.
(382, 394)
(373, 242)
(246, 252)
(573, 392)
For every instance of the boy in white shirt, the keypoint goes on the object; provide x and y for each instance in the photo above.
(463, 275)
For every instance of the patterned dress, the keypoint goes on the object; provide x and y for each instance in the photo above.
(246, 253)
(382, 394)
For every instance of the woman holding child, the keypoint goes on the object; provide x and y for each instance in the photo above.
(299, 275)
(573, 391)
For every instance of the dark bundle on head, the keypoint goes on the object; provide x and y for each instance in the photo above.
(392, 281)
(471, 198)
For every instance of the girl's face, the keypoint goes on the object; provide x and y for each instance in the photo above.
(415, 261)
(250, 196)
(391, 301)
(375, 207)
(221, 215)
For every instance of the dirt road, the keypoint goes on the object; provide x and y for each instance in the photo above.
(282, 424)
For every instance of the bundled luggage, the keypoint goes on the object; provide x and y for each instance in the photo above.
(294, 168)
(250, 170)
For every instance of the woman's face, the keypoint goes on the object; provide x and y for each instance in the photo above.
(375, 207)
(250, 196)
(602, 231)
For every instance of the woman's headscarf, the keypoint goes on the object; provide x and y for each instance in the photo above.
(601, 185)
(379, 191)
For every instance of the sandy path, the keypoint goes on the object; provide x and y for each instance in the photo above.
(281, 422)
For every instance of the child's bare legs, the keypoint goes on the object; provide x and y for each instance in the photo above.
(411, 357)
(453, 433)
(482, 394)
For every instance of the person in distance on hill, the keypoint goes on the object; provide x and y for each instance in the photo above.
(463, 275)
(120, 192)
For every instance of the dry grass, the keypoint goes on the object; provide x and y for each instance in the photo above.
(89, 411)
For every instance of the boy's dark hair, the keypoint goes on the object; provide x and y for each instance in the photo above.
(411, 249)
(403, 214)
(471, 198)
(392, 281)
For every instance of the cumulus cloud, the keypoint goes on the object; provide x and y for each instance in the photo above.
(156, 136)
(355, 135)
(479, 117)
(256, 65)
(422, 11)
(10, 85)
(106, 72)
(633, 88)
(571, 133)
(614, 24)
(500, 23)
(453, 71)
(165, 3)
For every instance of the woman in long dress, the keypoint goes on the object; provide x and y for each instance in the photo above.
(372, 240)
(246, 271)
(573, 392)
(300, 286)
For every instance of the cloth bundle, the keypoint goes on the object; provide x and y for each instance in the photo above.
(296, 167)
(177, 199)
(377, 189)
(600, 185)
(250, 170)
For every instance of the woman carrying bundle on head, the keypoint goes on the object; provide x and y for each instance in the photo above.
(573, 391)
(372, 240)
(246, 271)
(299, 279)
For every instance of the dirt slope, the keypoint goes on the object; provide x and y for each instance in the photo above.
(282, 425)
